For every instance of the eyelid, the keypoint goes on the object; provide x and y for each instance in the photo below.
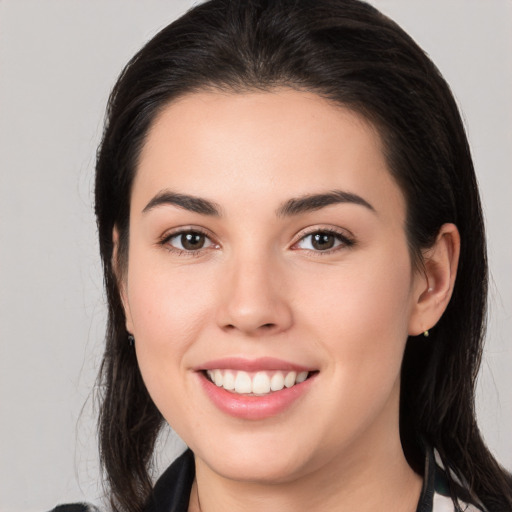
(181, 230)
(345, 236)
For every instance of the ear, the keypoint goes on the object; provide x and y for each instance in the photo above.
(434, 283)
(121, 279)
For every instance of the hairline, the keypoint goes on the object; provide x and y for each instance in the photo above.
(239, 87)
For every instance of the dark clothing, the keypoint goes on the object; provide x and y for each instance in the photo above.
(172, 491)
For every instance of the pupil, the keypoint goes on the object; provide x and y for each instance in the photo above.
(323, 241)
(192, 241)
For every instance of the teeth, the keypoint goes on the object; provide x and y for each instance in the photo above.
(301, 377)
(277, 382)
(217, 378)
(289, 380)
(229, 381)
(259, 383)
(243, 383)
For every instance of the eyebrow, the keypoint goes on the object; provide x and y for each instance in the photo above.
(185, 201)
(294, 206)
(312, 202)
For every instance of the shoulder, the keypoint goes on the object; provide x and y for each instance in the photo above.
(445, 504)
(76, 507)
(172, 490)
(441, 494)
(446, 494)
(170, 494)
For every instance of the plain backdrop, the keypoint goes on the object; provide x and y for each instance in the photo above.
(58, 61)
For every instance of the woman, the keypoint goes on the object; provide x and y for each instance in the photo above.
(295, 265)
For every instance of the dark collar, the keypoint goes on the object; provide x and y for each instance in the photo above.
(426, 502)
(172, 490)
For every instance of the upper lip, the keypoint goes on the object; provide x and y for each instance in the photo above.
(252, 365)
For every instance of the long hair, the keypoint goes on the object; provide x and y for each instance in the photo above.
(348, 52)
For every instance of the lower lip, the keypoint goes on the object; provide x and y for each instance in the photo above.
(254, 407)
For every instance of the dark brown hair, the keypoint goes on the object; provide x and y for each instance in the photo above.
(348, 52)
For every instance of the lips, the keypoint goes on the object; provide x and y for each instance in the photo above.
(254, 389)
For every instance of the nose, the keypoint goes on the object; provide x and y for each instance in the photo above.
(254, 298)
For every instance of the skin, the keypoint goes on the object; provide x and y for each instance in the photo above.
(259, 288)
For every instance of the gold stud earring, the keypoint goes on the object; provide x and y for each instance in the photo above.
(426, 334)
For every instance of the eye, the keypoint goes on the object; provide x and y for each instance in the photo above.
(323, 240)
(188, 241)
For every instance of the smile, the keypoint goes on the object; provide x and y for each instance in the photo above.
(255, 389)
(255, 383)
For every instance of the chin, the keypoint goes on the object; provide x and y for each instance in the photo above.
(268, 470)
(256, 459)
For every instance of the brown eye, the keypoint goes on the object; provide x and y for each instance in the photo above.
(188, 241)
(323, 241)
(192, 241)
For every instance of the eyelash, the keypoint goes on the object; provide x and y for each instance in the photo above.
(341, 237)
(344, 240)
(165, 241)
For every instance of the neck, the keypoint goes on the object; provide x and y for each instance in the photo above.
(362, 479)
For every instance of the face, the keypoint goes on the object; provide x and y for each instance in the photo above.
(269, 284)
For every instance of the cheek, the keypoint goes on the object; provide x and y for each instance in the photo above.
(168, 310)
(360, 326)
(166, 303)
(360, 315)
(375, 297)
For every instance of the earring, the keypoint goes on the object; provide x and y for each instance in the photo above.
(426, 334)
(131, 340)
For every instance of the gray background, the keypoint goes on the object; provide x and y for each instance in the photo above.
(58, 61)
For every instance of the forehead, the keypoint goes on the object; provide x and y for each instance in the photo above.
(259, 115)
(241, 146)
